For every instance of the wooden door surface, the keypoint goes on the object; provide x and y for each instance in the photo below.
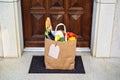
(75, 14)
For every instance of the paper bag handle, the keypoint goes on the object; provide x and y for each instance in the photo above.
(61, 24)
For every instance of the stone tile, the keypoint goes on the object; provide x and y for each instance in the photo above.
(96, 69)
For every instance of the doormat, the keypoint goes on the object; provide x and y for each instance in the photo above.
(38, 66)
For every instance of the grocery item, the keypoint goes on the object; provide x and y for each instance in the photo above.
(58, 35)
(71, 34)
(53, 33)
(72, 38)
(48, 24)
(62, 39)
(48, 32)
(49, 35)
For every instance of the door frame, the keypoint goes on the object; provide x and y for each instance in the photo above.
(100, 45)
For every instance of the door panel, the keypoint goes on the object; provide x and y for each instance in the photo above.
(37, 4)
(75, 14)
(56, 4)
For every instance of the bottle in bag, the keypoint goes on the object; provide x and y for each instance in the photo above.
(49, 35)
(48, 32)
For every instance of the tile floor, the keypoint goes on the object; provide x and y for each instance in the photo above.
(96, 69)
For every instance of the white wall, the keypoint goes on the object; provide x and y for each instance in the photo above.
(102, 27)
(1, 51)
(11, 27)
(115, 49)
(8, 29)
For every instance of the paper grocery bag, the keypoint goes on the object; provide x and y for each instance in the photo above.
(66, 56)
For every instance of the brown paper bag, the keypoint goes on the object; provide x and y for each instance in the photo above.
(66, 57)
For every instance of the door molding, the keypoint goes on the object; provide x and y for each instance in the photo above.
(102, 24)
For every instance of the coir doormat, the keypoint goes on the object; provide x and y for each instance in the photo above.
(38, 66)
